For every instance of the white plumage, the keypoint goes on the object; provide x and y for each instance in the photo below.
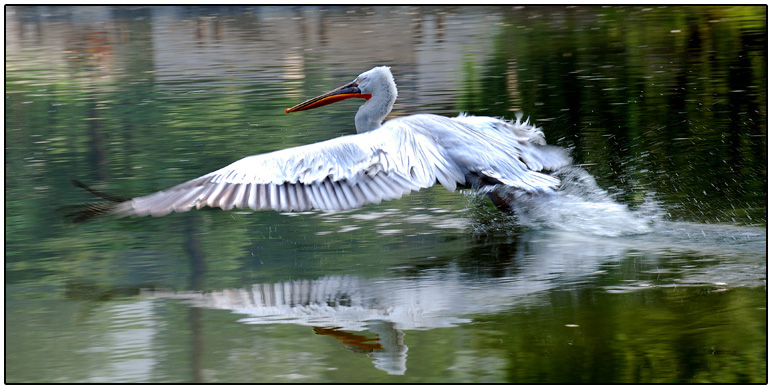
(381, 162)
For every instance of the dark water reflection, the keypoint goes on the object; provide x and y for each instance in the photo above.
(656, 272)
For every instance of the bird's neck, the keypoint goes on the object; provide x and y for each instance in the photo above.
(371, 115)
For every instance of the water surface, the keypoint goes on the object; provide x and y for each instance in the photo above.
(649, 265)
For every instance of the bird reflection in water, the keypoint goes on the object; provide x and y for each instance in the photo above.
(334, 306)
(387, 348)
(354, 341)
(450, 291)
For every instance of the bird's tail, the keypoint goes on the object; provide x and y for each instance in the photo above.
(86, 211)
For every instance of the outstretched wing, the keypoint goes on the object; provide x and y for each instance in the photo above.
(343, 173)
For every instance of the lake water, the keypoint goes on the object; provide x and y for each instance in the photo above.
(648, 266)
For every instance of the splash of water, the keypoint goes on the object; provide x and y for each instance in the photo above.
(580, 205)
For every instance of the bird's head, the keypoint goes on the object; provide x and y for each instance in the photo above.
(377, 86)
(377, 82)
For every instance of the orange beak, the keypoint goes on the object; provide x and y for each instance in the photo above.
(344, 92)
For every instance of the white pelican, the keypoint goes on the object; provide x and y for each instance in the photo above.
(382, 162)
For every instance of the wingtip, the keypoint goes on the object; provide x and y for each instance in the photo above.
(99, 194)
(79, 184)
(83, 212)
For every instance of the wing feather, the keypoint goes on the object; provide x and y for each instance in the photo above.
(239, 195)
(302, 194)
(361, 198)
(369, 193)
(262, 197)
(273, 197)
(291, 196)
(385, 187)
(225, 200)
(311, 197)
(404, 184)
(188, 199)
(337, 194)
(321, 197)
(253, 193)
(405, 155)
(329, 196)
(158, 206)
(348, 193)
(212, 199)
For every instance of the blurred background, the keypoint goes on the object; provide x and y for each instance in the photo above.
(650, 268)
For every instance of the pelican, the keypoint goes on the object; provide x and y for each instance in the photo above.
(383, 161)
